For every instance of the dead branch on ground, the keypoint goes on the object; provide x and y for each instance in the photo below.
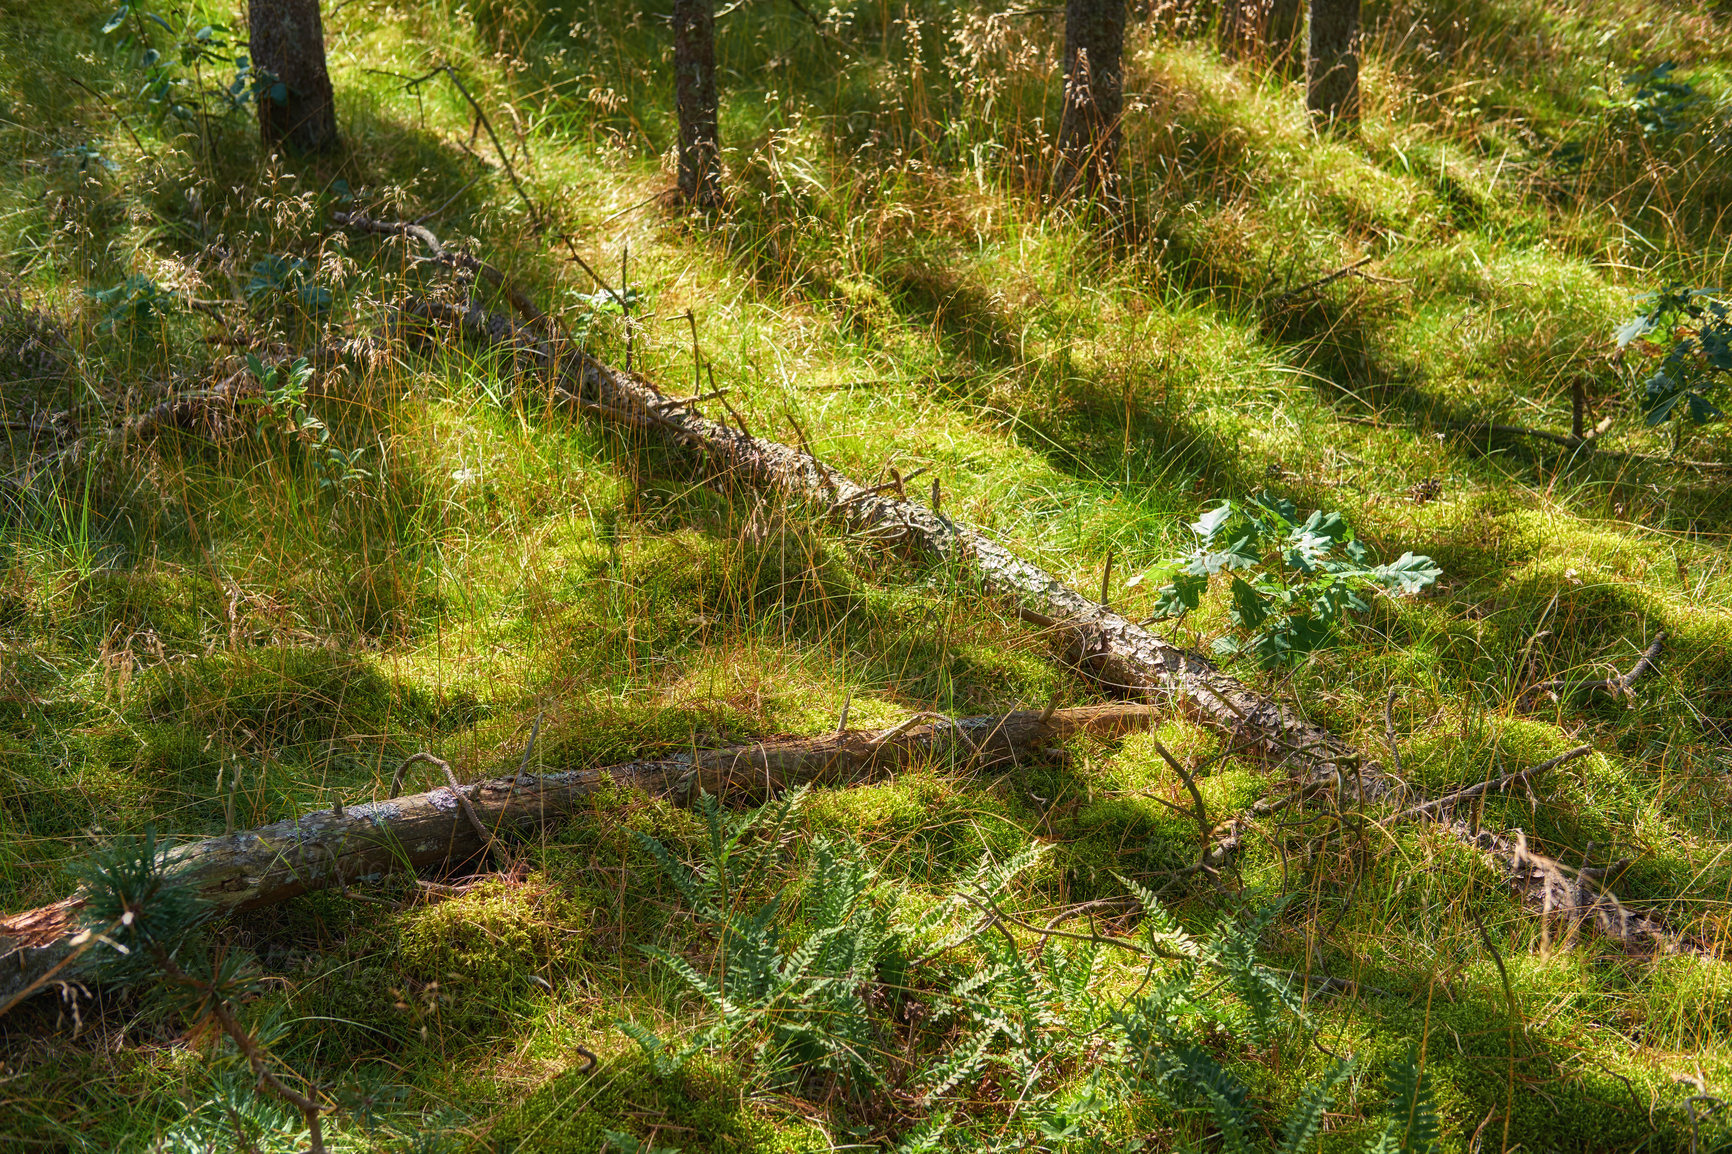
(1618, 686)
(452, 824)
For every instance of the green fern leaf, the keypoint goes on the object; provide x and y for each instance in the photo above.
(1305, 1120)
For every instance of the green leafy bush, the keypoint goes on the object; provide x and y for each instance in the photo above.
(1292, 580)
(1698, 366)
(593, 308)
(282, 394)
(131, 304)
(174, 80)
(1660, 105)
(291, 277)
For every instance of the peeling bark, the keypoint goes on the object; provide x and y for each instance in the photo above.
(326, 848)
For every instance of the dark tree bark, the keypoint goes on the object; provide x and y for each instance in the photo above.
(695, 100)
(288, 43)
(1332, 61)
(1260, 29)
(1094, 98)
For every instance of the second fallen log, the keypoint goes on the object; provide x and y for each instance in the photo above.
(365, 841)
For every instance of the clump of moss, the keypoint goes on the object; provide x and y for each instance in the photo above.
(706, 1103)
(494, 935)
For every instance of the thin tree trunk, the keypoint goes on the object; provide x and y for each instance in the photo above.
(695, 100)
(296, 105)
(1332, 62)
(329, 848)
(1094, 98)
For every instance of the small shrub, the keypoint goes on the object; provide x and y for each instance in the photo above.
(1300, 577)
(174, 84)
(283, 391)
(1660, 105)
(131, 304)
(1697, 367)
(291, 278)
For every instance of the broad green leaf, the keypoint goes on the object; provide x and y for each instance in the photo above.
(1210, 523)
(1283, 509)
(1662, 409)
(1702, 410)
(1633, 329)
(1305, 634)
(1249, 607)
(1408, 573)
(1182, 595)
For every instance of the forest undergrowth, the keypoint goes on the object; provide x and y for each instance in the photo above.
(262, 537)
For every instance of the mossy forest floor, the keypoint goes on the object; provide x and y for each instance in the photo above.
(197, 630)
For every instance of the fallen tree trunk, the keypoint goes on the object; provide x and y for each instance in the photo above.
(1114, 651)
(326, 848)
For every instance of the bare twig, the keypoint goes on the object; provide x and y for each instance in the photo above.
(805, 441)
(593, 275)
(124, 122)
(475, 823)
(697, 362)
(1525, 777)
(397, 777)
(906, 725)
(722, 396)
(526, 308)
(986, 905)
(481, 115)
(1202, 813)
(218, 1007)
(1619, 686)
(1324, 280)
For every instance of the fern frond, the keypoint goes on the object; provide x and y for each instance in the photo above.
(1413, 1122)
(1164, 930)
(1190, 1066)
(690, 885)
(968, 1057)
(1305, 1120)
(991, 877)
(715, 995)
(661, 1061)
(927, 1137)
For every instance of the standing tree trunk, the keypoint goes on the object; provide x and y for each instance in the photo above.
(1094, 99)
(1263, 30)
(296, 106)
(1332, 62)
(695, 100)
